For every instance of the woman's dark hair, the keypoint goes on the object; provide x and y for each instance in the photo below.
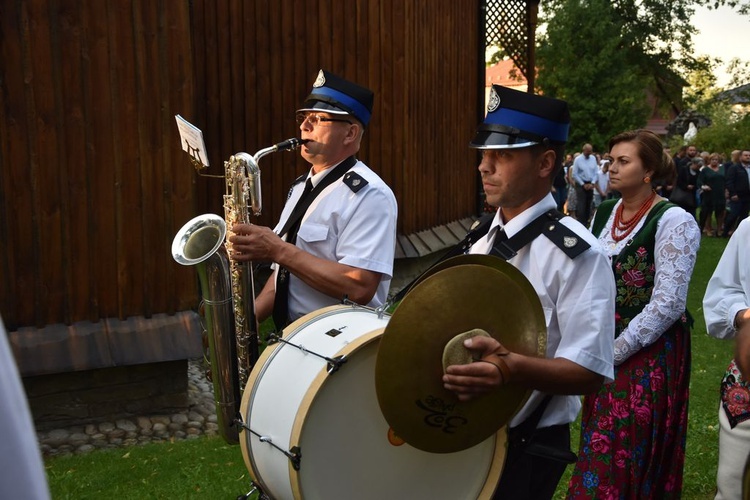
(652, 154)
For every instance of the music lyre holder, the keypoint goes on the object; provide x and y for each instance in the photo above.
(195, 160)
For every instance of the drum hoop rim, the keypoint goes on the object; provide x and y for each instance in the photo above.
(500, 449)
(497, 464)
(256, 375)
(499, 453)
(311, 394)
(262, 364)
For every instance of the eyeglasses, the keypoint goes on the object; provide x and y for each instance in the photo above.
(314, 119)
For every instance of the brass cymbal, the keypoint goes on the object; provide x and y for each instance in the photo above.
(463, 293)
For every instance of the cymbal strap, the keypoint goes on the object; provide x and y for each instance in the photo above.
(501, 365)
(504, 370)
(424, 339)
(501, 351)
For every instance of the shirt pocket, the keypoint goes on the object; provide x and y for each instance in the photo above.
(311, 232)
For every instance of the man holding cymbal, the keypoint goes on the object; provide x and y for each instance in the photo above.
(522, 140)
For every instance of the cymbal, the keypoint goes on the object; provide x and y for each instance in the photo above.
(461, 294)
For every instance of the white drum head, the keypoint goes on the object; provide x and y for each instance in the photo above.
(347, 450)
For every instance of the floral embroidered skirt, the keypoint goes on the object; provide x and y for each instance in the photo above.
(735, 395)
(633, 430)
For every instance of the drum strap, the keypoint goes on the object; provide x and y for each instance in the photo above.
(523, 436)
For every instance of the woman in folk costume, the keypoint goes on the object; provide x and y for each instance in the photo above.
(633, 430)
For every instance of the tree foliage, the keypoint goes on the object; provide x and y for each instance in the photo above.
(739, 71)
(580, 60)
(701, 82)
(603, 57)
(729, 130)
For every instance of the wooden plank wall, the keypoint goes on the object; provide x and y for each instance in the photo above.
(419, 57)
(91, 173)
(94, 184)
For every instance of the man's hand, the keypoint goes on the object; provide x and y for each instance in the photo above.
(488, 371)
(742, 343)
(256, 243)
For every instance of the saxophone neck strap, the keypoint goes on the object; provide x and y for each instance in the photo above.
(304, 203)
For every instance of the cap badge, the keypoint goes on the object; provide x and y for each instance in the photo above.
(570, 242)
(494, 101)
(320, 80)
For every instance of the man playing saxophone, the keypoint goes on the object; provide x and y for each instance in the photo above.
(336, 236)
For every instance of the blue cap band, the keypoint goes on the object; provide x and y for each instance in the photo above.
(531, 124)
(358, 109)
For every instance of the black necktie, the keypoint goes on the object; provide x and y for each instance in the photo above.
(281, 299)
(500, 247)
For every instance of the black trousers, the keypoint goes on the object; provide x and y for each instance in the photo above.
(738, 210)
(528, 476)
(584, 199)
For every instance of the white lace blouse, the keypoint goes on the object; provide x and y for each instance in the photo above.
(677, 240)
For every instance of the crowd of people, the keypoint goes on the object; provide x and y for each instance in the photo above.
(612, 278)
(633, 431)
(717, 188)
(636, 391)
(709, 186)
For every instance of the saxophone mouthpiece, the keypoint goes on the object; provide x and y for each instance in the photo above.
(290, 144)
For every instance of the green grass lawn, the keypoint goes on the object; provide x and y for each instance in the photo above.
(208, 468)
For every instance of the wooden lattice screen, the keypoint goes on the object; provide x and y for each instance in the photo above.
(511, 24)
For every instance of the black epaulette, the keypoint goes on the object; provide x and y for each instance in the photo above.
(296, 181)
(354, 181)
(549, 225)
(563, 237)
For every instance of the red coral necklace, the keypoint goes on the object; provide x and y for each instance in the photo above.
(621, 228)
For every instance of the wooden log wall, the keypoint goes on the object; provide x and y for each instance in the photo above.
(94, 183)
(257, 63)
(91, 173)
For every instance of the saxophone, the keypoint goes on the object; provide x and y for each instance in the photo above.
(227, 286)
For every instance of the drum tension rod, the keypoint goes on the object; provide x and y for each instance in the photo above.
(333, 363)
(294, 455)
(380, 311)
(256, 488)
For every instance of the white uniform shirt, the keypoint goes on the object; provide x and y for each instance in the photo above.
(578, 299)
(728, 290)
(21, 467)
(585, 169)
(356, 229)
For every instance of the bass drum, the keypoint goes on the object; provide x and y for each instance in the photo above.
(294, 408)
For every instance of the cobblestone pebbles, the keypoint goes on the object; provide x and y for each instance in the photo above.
(197, 420)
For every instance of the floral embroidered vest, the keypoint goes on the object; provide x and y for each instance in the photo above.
(634, 268)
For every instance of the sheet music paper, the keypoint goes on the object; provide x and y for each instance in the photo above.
(191, 138)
